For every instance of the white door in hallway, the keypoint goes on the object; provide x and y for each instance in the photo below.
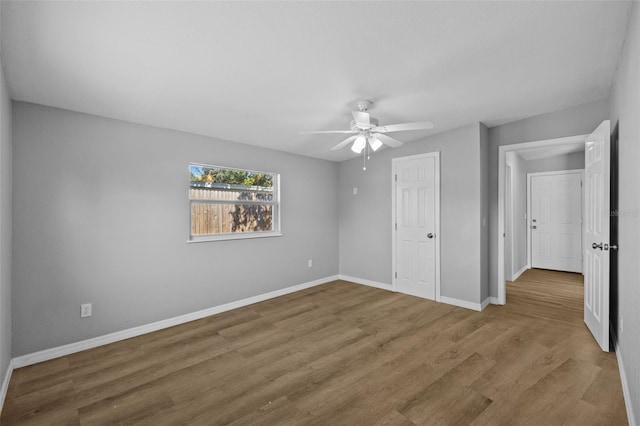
(556, 220)
(596, 273)
(416, 219)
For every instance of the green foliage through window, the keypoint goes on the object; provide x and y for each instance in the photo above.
(229, 176)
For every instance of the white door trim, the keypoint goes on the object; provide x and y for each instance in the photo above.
(394, 162)
(509, 220)
(502, 161)
(559, 172)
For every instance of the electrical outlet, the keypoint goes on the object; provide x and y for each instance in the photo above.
(355, 190)
(85, 310)
(310, 263)
(621, 323)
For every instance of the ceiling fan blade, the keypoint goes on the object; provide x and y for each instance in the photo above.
(388, 141)
(375, 143)
(313, 132)
(362, 119)
(420, 125)
(359, 144)
(344, 143)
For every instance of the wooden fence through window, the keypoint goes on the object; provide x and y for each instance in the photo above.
(233, 217)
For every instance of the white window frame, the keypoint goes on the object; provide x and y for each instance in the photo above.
(276, 209)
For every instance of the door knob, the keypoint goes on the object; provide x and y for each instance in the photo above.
(430, 235)
(595, 246)
(534, 227)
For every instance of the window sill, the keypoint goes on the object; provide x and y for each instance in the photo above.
(243, 236)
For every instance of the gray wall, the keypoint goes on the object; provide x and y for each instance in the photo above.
(518, 255)
(579, 120)
(572, 161)
(101, 215)
(5, 226)
(625, 109)
(365, 218)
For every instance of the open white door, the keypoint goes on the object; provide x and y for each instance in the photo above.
(596, 266)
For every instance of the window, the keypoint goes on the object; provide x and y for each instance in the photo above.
(232, 203)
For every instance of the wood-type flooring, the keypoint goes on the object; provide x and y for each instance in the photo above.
(343, 354)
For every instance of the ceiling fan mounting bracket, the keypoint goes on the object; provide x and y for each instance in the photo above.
(364, 105)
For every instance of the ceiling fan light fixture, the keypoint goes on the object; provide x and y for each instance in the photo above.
(374, 143)
(359, 144)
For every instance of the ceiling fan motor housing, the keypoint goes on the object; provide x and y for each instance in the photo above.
(373, 122)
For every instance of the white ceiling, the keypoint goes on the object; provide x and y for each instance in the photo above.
(260, 72)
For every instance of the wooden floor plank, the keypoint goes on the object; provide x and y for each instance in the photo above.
(343, 354)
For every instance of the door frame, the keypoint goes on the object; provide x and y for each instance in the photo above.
(555, 173)
(394, 162)
(509, 220)
(502, 162)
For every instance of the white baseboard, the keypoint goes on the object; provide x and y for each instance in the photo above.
(5, 384)
(443, 299)
(495, 301)
(71, 348)
(625, 385)
(461, 303)
(520, 272)
(362, 281)
(486, 302)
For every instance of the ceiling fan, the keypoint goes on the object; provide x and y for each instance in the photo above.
(367, 130)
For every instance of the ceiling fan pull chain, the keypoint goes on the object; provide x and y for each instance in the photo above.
(364, 160)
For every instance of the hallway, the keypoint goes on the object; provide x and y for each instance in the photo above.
(548, 294)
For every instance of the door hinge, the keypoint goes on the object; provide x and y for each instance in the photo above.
(396, 177)
(396, 226)
(396, 275)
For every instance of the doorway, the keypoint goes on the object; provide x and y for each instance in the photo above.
(532, 151)
(416, 225)
(597, 243)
